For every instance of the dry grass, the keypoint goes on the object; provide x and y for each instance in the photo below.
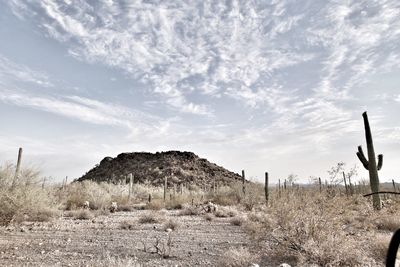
(379, 246)
(125, 207)
(225, 212)
(150, 217)
(101, 212)
(189, 211)
(99, 195)
(109, 260)
(170, 224)
(237, 221)
(44, 215)
(79, 214)
(127, 225)
(178, 202)
(26, 200)
(236, 257)
(309, 228)
(388, 223)
(208, 217)
(301, 227)
(156, 204)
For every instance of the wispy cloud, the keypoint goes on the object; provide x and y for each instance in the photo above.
(84, 109)
(287, 76)
(13, 72)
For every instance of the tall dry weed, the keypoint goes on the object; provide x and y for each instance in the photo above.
(308, 228)
(26, 200)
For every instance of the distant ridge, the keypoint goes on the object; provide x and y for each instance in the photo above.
(180, 167)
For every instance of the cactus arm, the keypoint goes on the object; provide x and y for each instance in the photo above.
(380, 162)
(361, 157)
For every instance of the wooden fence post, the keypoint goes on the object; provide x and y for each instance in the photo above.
(17, 167)
(279, 188)
(44, 181)
(351, 187)
(165, 187)
(130, 185)
(243, 183)
(320, 184)
(345, 185)
(266, 187)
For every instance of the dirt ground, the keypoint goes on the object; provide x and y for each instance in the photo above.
(102, 241)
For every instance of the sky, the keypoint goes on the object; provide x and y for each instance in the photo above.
(277, 86)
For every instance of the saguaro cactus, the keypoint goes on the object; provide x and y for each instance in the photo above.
(370, 164)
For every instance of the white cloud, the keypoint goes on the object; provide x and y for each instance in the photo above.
(13, 72)
(84, 109)
(177, 48)
(296, 69)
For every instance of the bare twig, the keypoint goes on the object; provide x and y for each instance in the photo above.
(382, 192)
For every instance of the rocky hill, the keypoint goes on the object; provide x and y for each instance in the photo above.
(180, 168)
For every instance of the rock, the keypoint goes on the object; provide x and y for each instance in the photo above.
(211, 207)
(284, 265)
(86, 204)
(168, 230)
(114, 207)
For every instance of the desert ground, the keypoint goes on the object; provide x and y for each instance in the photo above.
(119, 239)
(78, 224)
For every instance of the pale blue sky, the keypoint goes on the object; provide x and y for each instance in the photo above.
(274, 86)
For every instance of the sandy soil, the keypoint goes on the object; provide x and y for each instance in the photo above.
(102, 241)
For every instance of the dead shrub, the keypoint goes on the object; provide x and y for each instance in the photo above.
(389, 223)
(237, 221)
(236, 257)
(176, 203)
(227, 196)
(125, 207)
(189, 211)
(255, 217)
(309, 229)
(225, 213)
(126, 225)
(208, 217)
(79, 214)
(150, 217)
(26, 200)
(101, 212)
(76, 194)
(253, 229)
(44, 215)
(156, 204)
(379, 247)
(170, 224)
